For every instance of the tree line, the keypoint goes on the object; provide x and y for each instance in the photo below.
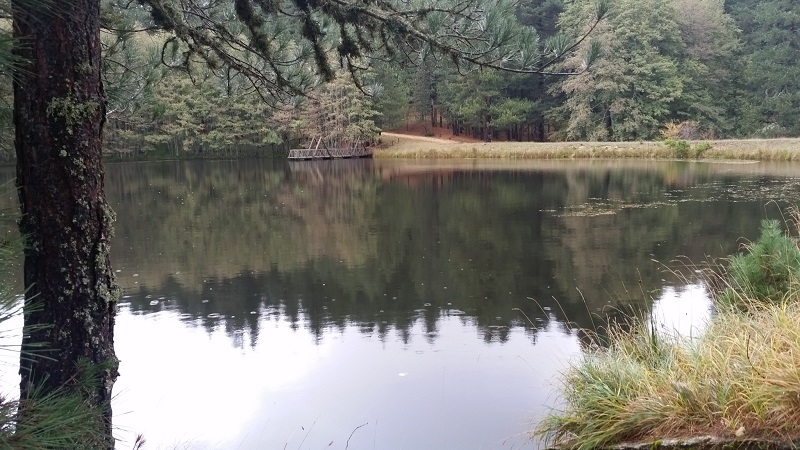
(676, 69)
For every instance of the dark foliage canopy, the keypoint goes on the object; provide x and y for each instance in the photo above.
(285, 46)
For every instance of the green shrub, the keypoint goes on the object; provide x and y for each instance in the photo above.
(701, 148)
(680, 148)
(767, 272)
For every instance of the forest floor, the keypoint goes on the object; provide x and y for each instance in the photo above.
(440, 143)
(426, 133)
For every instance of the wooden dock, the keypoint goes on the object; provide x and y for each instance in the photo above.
(332, 153)
(320, 151)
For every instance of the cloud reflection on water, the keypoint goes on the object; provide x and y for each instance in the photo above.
(183, 385)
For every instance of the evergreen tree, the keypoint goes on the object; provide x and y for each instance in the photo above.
(662, 63)
(207, 114)
(428, 73)
(539, 89)
(392, 93)
(708, 60)
(70, 296)
(337, 112)
(542, 15)
(481, 105)
(771, 75)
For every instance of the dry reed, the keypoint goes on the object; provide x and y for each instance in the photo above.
(750, 149)
(739, 378)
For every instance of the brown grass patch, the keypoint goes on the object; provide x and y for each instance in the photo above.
(750, 149)
(740, 379)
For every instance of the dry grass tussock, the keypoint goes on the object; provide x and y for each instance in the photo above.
(751, 149)
(739, 378)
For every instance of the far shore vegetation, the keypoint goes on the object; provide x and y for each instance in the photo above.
(399, 146)
(403, 146)
(737, 379)
(786, 149)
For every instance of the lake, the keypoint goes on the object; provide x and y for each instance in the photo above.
(398, 304)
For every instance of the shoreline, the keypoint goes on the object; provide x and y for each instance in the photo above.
(400, 146)
(732, 385)
(703, 442)
(411, 147)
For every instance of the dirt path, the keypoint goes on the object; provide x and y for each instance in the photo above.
(420, 138)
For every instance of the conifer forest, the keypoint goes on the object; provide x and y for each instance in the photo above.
(684, 69)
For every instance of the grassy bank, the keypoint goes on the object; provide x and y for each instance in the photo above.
(751, 149)
(739, 379)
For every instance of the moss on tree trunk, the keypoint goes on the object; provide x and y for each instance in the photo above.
(59, 110)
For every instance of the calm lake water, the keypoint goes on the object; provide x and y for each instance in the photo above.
(397, 305)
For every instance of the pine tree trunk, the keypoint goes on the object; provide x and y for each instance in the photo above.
(59, 111)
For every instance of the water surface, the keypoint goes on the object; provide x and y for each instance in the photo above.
(397, 305)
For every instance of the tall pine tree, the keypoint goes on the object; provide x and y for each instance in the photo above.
(771, 75)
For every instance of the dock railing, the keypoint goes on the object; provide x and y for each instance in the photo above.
(318, 150)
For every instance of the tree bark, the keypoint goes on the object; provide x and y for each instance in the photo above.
(59, 111)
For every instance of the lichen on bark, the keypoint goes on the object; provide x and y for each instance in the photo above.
(71, 293)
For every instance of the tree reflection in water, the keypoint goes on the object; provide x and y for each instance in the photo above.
(383, 245)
